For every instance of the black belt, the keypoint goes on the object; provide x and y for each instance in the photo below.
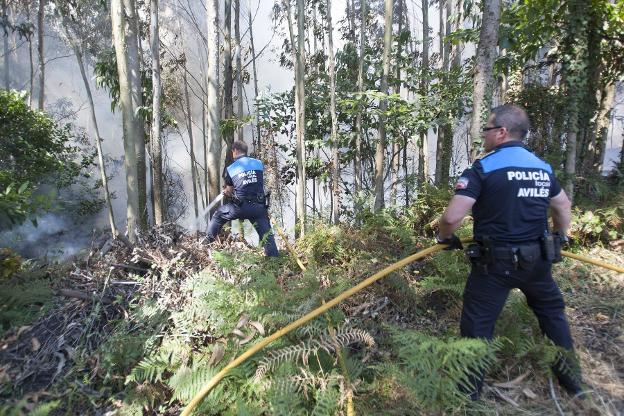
(527, 252)
(510, 252)
(252, 200)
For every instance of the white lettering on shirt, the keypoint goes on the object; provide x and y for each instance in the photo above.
(533, 192)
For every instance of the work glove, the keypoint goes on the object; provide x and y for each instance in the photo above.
(564, 240)
(561, 242)
(453, 242)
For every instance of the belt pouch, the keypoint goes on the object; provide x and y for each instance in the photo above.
(473, 252)
(528, 255)
(547, 243)
(557, 248)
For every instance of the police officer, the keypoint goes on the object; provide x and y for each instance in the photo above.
(510, 191)
(244, 183)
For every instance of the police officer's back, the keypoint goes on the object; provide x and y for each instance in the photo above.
(244, 183)
(510, 191)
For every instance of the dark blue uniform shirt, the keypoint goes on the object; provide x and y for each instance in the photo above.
(245, 174)
(512, 188)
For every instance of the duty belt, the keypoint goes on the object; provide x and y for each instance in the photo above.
(259, 199)
(521, 255)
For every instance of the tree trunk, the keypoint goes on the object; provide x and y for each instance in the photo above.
(396, 145)
(189, 127)
(7, 55)
(98, 139)
(31, 60)
(213, 109)
(575, 51)
(40, 29)
(255, 75)
(206, 200)
(445, 130)
(239, 70)
(383, 107)
(334, 120)
(602, 126)
(298, 55)
(130, 125)
(228, 135)
(484, 66)
(357, 168)
(299, 82)
(134, 64)
(443, 68)
(156, 144)
(423, 149)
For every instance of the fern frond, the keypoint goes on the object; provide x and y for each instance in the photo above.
(284, 399)
(187, 381)
(435, 283)
(327, 401)
(433, 369)
(151, 369)
(303, 350)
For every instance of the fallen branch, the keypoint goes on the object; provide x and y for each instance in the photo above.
(554, 396)
(70, 293)
(129, 267)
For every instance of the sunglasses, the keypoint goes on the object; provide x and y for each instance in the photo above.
(491, 128)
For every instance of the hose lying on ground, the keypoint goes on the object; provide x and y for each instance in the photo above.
(344, 295)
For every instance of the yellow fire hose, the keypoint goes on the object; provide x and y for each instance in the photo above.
(344, 295)
(288, 246)
(595, 262)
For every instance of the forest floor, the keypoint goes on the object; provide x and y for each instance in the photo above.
(119, 332)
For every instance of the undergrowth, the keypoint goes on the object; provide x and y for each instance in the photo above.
(401, 355)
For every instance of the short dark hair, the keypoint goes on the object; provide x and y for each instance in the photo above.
(513, 118)
(240, 146)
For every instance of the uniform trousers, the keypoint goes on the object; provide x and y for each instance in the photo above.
(485, 294)
(255, 212)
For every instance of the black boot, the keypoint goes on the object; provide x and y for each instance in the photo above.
(568, 372)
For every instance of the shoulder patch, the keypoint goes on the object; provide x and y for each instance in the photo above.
(462, 183)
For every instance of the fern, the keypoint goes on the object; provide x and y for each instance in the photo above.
(19, 304)
(188, 381)
(150, 369)
(433, 369)
(327, 401)
(19, 409)
(283, 398)
(434, 283)
(303, 350)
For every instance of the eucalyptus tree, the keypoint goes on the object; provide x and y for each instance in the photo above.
(136, 90)
(483, 71)
(155, 140)
(383, 107)
(423, 148)
(450, 96)
(357, 163)
(396, 142)
(228, 81)
(298, 49)
(40, 50)
(299, 85)
(334, 120)
(189, 126)
(5, 43)
(575, 50)
(213, 108)
(129, 110)
(239, 70)
(255, 77)
(74, 40)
